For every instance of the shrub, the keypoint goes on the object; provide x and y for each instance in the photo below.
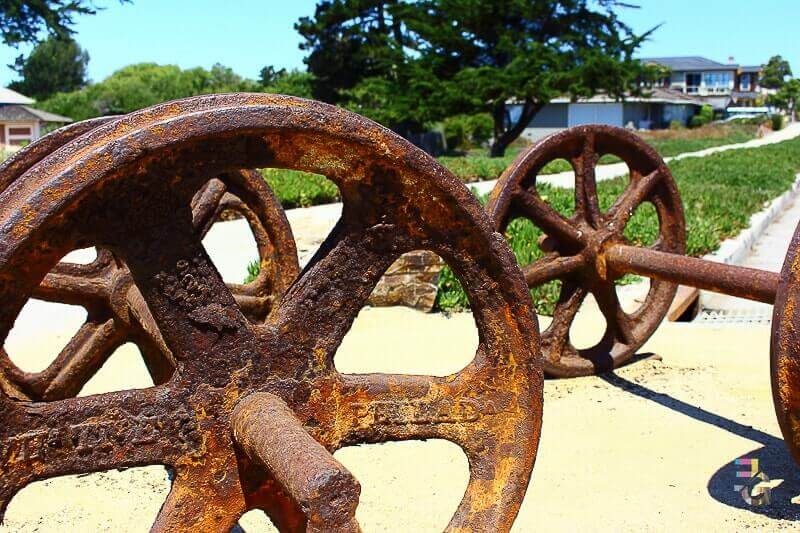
(467, 131)
(720, 192)
(703, 117)
(676, 125)
(455, 132)
(776, 121)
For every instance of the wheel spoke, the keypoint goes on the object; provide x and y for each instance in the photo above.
(465, 410)
(551, 267)
(618, 322)
(74, 366)
(190, 304)
(390, 407)
(638, 190)
(555, 339)
(545, 217)
(81, 359)
(91, 434)
(328, 295)
(203, 497)
(85, 290)
(586, 202)
(157, 356)
(205, 205)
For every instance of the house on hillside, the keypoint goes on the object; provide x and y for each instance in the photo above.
(21, 124)
(655, 110)
(720, 85)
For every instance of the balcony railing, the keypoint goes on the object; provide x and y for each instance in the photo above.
(705, 90)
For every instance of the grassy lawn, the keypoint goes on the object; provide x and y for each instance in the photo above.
(300, 189)
(720, 192)
(478, 166)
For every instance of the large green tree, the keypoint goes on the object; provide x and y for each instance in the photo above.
(350, 40)
(22, 21)
(291, 82)
(57, 64)
(489, 54)
(775, 73)
(145, 84)
(787, 97)
(409, 63)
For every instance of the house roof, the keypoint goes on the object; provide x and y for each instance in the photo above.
(656, 96)
(7, 96)
(22, 113)
(754, 68)
(689, 63)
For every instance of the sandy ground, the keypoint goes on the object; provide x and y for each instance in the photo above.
(649, 448)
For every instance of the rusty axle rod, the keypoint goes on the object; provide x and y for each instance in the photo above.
(268, 431)
(743, 282)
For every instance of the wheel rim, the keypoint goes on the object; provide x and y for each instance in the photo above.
(395, 199)
(784, 353)
(116, 312)
(579, 241)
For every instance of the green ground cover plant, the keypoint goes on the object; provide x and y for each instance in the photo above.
(720, 192)
(302, 189)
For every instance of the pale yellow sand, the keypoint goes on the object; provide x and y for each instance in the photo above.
(649, 449)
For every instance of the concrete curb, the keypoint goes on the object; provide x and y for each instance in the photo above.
(733, 251)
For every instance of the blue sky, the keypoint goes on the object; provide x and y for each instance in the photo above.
(248, 34)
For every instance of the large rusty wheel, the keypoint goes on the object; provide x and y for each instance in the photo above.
(576, 243)
(116, 313)
(785, 349)
(128, 188)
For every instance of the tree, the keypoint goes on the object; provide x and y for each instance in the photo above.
(406, 64)
(292, 82)
(21, 21)
(787, 97)
(775, 73)
(349, 41)
(145, 84)
(490, 53)
(55, 65)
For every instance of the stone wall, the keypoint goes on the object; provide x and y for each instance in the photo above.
(411, 281)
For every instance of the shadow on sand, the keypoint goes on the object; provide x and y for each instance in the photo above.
(773, 457)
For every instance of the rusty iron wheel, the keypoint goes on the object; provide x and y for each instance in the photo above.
(785, 349)
(576, 244)
(127, 188)
(116, 313)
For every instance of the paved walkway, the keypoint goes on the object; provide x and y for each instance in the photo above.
(767, 254)
(607, 172)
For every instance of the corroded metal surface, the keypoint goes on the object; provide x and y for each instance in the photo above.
(577, 244)
(267, 430)
(785, 349)
(116, 313)
(127, 187)
(743, 282)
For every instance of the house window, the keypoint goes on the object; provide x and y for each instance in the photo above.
(692, 82)
(18, 135)
(744, 82)
(717, 82)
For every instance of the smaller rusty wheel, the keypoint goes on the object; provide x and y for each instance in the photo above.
(575, 244)
(785, 349)
(116, 312)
